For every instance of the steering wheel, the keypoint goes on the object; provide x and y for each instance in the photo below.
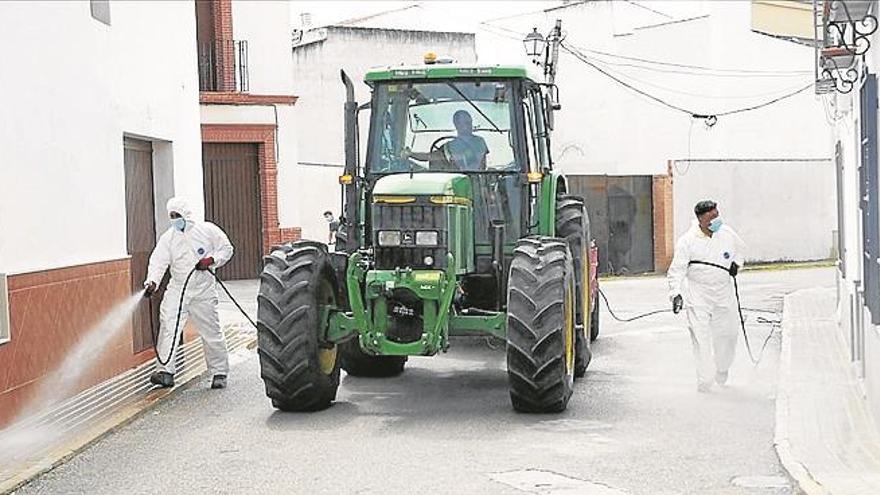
(436, 145)
(443, 164)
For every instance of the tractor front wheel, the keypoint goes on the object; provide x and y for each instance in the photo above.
(300, 370)
(356, 362)
(540, 325)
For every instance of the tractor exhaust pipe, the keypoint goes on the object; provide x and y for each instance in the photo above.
(350, 191)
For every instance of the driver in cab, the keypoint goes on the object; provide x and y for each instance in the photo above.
(466, 152)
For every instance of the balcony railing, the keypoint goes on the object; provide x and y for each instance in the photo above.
(223, 66)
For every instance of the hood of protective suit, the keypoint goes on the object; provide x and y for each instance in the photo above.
(180, 206)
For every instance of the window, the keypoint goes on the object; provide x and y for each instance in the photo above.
(4, 310)
(101, 10)
(457, 126)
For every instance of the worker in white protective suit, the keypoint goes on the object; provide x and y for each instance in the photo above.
(189, 244)
(700, 278)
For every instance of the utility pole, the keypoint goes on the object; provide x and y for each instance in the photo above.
(554, 40)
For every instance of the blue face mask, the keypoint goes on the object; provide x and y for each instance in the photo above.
(715, 224)
(178, 223)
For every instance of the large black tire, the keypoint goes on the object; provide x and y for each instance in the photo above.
(356, 362)
(300, 371)
(573, 225)
(540, 325)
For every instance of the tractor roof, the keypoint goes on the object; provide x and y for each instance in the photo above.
(449, 71)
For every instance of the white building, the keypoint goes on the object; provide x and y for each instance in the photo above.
(318, 56)
(853, 111)
(89, 90)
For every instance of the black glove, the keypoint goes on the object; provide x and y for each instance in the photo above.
(677, 304)
(734, 269)
(149, 289)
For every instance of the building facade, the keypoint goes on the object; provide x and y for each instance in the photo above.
(105, 119)
(100, 126)
(248, 127)
(852, 101)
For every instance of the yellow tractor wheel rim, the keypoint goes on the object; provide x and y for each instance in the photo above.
(569, 330)
(327, 360)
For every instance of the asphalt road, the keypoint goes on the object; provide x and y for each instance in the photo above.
(635, 425)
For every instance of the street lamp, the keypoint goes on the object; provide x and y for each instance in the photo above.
(535, 44)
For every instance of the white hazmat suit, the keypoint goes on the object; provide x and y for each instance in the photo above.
(179, 252)
(709, 298)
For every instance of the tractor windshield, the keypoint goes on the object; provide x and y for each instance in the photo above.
(450, 126)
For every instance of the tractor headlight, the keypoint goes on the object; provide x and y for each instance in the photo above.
(429, 261)
(426, 238)
(389, 238)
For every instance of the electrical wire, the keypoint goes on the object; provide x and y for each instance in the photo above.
(672, 106)
(688, 93)
(518, 36)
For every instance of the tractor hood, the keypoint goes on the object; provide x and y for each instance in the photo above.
(424, 184)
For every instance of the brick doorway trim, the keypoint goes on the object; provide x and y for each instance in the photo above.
(264, 137)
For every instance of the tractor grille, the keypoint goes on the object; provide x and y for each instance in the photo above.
(409, 219)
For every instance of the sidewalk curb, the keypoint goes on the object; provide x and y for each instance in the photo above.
(85, 439)
(801, 475)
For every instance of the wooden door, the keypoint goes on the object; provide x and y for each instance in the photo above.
(140, 234)
(232, 201)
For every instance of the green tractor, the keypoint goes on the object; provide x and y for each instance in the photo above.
(455, 224)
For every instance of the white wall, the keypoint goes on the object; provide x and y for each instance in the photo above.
(72, 88)
(783, 211)
(320, 107)
(266, 27)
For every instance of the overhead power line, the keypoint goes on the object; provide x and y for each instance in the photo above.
(520, 36)
(709, 117)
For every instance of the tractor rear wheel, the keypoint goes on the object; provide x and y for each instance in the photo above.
(356, 362)
(301, 372)
(594, 321)
(540, 325)
(573, 225)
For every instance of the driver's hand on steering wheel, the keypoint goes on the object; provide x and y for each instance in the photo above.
(405, 153)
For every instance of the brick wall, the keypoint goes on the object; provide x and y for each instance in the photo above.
(664, 229)
(290, 234)
(223, 41)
